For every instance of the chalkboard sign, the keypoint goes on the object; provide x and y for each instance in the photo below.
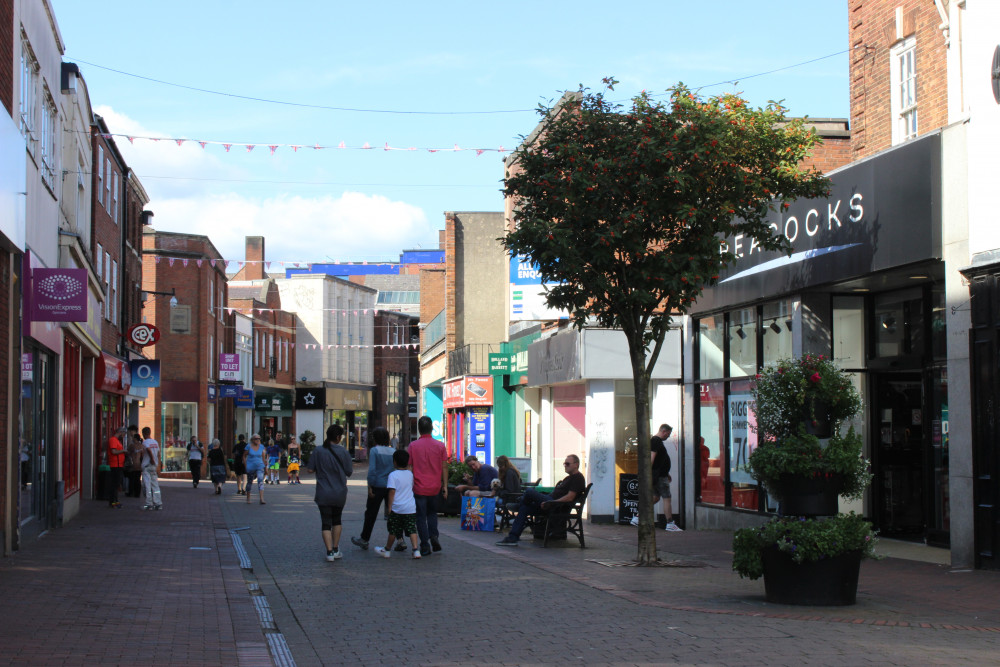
(628, 497)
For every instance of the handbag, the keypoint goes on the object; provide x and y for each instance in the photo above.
(478, 513)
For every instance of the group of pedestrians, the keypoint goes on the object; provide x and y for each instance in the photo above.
(140, 455)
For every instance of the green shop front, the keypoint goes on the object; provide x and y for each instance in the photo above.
(273, 412)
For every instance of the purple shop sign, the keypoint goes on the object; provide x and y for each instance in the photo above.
(229, 366)
(59, 295)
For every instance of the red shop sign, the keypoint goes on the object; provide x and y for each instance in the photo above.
(112, 374)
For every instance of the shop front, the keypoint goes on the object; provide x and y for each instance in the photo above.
(112, 380)
(586, 407)
(273, 411)
(864, 285)
(350, 407)
(468, 404)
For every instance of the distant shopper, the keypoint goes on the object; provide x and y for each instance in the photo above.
(217, 468)
(402, 515)
(480, 482)
(273, 462)
(332, 465)
(150, 468)
(239, 468)
(428, 458)
(133, 463)
(196, 452)
(254, 457)
(660, 462)
(116, 461)
(292, 452)
(380, 465)
(293, 469)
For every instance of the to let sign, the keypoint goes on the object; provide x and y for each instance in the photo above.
(229, 366)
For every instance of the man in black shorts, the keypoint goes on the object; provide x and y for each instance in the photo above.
(661, 476)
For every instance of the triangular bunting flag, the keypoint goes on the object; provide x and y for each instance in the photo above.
(211, 263)
(131, 140)
(341, 145)
(249, 147)
(170, 261)
(179, 141)
(184, 262)
(199, 263)
(273, 148)
(156, 260)
(479, 151)
(202, 143)
(367, 146)
(227, 147)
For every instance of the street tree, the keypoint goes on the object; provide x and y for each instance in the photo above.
(626, 212)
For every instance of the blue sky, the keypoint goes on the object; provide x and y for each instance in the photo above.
(333, 204)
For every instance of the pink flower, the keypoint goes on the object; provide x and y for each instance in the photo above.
(815, 377)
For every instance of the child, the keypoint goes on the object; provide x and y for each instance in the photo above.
(403, 515)
(293, 470)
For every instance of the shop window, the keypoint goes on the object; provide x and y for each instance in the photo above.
(179, 423)
(742, 439)
(939, 341)
(777, 331)
(849, 331)
(899, 324)
(711, 460)
(710, 347)
(742, 337)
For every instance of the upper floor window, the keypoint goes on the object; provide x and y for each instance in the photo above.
(100, 174)
(107, 185)
(115, 194)
(48, 140)
(903, 82)
(29, 93)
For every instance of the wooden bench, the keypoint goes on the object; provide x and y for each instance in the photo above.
(562, 518)
(508, 503)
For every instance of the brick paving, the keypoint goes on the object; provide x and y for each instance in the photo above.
(125, 587)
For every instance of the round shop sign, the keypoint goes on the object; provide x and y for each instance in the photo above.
(143, 335)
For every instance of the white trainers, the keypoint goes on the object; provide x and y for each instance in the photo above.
(634, 521)
(416, 554)
(382, 552)
(673, 528)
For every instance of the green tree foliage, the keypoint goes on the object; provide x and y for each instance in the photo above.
(628, 209)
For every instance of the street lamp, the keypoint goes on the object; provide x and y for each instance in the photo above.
(172, 294)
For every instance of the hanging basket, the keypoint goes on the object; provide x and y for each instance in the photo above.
(807, 496)
(828, 582)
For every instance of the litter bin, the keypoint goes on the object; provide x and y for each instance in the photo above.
(101, 490)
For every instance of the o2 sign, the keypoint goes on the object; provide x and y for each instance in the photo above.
(142, 335)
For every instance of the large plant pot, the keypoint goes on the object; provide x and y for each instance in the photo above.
(807, 496)
(452, 505)
(828, 582)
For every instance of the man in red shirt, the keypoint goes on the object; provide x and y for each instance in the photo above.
(430, 477)
(116, 461)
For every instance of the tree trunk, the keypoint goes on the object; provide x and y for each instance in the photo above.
(640, 375)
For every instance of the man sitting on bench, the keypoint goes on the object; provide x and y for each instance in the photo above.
(534, 502)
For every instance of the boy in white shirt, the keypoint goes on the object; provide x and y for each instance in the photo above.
(403, 512)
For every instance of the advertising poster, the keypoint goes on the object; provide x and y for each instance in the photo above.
(480, 436)
(742, 437)
(527, 293)
(628, 497)
(229, 367)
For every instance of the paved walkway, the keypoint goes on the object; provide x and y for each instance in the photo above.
(163, 588)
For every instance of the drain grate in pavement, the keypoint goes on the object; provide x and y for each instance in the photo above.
(659, 563)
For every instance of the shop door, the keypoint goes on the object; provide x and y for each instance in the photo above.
(898, 455)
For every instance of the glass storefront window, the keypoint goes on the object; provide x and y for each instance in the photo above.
(710, 347)
(711, 416)
(179, 423)
(940, 508)
(742, 438)
(777, 330)
(626, 440)
(849, 331)
(939, 341)
(899, 323)
(742, 336)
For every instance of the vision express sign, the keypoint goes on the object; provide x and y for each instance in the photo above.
(882, 212)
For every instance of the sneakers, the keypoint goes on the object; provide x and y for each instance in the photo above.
(634, 521)
(435, 545)
(416, 555)
(157, 507)
(115, 506)
(673, 528)
(508, 542)
(147, 507)
(400, 546)
(382, 552)
(358, 542)
(333, 555)
(424, 552)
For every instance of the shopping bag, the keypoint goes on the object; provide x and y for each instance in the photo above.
(478, 513)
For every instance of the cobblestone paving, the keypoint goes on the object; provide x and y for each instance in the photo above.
(475, 602)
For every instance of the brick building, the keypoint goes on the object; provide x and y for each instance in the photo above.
(184, 278)
(397, 375)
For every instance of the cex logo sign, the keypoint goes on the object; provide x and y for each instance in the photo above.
(142, 335)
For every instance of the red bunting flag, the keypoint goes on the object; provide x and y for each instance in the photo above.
(170, 261)
(273, 148)
(202, 143)
(227, 147)
(179, 141)
(199, 263)
(249, 147)
(131, 140)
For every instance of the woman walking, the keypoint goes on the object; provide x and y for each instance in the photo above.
(253, 460)
(217, 465)
(332, 465)
(379, 466)
(238, 468)
(195, 453)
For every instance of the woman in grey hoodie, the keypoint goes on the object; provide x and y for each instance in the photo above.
(332, 465)
(379, 466)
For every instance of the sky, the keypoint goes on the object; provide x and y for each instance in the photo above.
(432, 76)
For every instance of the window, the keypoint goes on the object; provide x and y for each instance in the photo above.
(113, 300)
(211, 296)
(100, 174)
(107, 286)
(100, 261)
(115, 192)
(710, 347)
(211, 356)
(179, 423)
(256, 349)
(48, 166)
(29, 88)
(903, 83)
(107, 185)
(742, 335)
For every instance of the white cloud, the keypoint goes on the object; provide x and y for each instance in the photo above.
(351, 227)
(189, 194)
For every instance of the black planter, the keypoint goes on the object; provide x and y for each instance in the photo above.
(830, 582)
(807, 496)
(452, 505)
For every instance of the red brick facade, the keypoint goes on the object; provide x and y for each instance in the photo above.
(432, 297)
(7, 48)
(875, 27)
(397, 371)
